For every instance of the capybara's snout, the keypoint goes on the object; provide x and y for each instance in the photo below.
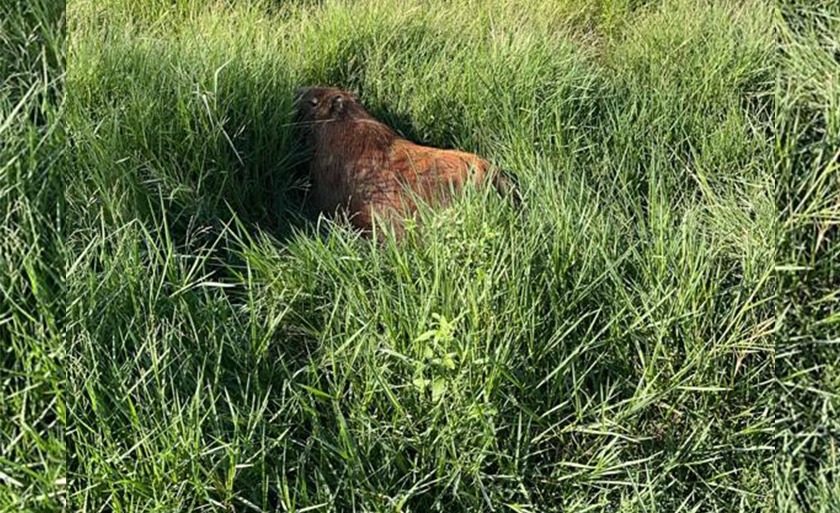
(300, 91)
(296, 99)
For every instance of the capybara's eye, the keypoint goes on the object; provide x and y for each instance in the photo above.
(313, 101)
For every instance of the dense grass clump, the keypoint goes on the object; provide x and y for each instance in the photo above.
(609, 346)
(807, 165)
(32, 144)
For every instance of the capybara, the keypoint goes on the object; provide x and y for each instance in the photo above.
(361, 167)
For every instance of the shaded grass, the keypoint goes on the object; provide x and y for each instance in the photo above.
(608, 347)
(32, 414)
(808, 198)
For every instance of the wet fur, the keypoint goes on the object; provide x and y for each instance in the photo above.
(361, 167)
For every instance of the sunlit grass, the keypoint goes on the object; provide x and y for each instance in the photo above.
(610, 346)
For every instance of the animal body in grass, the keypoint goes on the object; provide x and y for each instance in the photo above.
(361, 168)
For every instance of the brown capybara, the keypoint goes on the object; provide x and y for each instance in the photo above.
(361, 167)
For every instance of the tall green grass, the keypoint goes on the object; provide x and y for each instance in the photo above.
(610, 346)
(32, 144)
(807, 165)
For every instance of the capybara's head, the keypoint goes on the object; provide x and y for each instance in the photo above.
(314, 104)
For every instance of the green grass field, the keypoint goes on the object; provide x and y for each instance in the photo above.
(655, 329)
(807, 173)
(32, 210)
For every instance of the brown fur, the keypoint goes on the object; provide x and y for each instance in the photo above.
(361, 167)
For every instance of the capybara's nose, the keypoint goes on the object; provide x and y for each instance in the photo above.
(300, 91)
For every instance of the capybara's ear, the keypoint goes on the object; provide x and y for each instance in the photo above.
(354, 95)
(336, 104)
